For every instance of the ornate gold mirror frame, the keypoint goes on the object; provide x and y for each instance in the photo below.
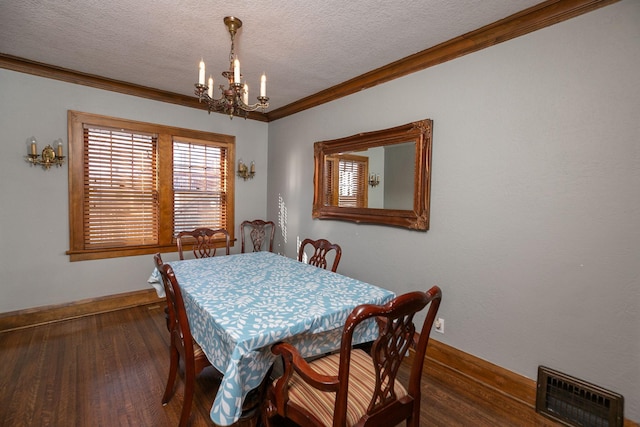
(416, 218)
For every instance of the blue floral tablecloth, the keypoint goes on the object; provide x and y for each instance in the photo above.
(239, 305)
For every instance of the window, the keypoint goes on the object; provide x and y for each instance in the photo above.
(120, 199)
(199, 186)
(133, 186)
(346, 178)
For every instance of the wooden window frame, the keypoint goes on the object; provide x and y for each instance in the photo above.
(165, 137)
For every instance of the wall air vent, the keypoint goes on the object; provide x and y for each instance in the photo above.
(575, 402)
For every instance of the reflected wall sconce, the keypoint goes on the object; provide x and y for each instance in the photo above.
(245, 172)
(50, 155)
(374, 180)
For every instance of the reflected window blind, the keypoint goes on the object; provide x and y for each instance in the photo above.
(352, 183)
(199, 186)
(120, 188)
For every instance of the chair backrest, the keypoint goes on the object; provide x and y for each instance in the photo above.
(397, 335)
(178, 322)
(321, 248)
(261, 234)
(204, 241)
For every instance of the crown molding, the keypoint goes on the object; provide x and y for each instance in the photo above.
(534, 18)
(524, 22)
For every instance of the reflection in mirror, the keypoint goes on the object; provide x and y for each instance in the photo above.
(380, 177)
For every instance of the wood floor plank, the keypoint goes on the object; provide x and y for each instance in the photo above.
(110, 369)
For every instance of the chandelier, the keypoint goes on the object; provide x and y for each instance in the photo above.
(234, 100)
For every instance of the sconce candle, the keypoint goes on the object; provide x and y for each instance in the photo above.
(59, 151)
(33, 145)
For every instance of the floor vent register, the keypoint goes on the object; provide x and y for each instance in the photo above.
(575, 402)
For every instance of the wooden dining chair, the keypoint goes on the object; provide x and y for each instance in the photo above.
(205, 241)
(321, 248)
(182, 345)
(157, 261)
(353, 388)
(261, 234)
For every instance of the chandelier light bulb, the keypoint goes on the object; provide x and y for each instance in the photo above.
(201, 72)
(236, 71)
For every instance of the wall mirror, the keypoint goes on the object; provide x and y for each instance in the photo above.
(379, 177)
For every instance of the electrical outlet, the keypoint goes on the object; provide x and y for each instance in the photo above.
(439, 325)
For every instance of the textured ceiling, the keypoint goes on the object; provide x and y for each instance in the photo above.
(302, 46)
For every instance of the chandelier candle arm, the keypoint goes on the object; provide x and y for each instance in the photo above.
(234, 100)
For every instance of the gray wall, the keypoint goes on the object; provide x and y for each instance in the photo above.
(34, 207)
(399, 171)
(535, 207)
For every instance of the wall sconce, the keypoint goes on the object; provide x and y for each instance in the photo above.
(374, 180)
(245, 172)
(49, 156)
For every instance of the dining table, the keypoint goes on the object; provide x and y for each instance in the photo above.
(239, 305)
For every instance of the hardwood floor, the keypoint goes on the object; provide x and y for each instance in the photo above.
(110, 370)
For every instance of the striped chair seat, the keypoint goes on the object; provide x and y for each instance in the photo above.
(321, 404)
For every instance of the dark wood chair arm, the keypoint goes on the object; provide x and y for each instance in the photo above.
(294, 361)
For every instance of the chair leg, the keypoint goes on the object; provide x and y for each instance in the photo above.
(173, 371)
(268, 409)
(189, 386)
(413, 421)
